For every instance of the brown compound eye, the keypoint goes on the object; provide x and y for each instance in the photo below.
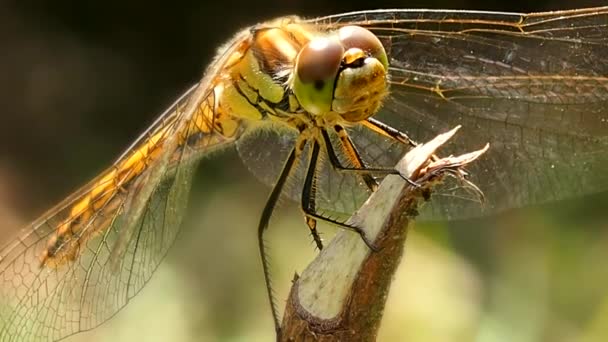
(356, 37)
(318, 60)
(317, 67)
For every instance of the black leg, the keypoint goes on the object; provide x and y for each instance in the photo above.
(388, 131)
(353, 155)
(312, 225)
(266, 214)
(308, 199)
(311, 183)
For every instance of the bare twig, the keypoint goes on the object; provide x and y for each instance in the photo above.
(341, 295)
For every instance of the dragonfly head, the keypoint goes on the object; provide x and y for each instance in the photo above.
(345, 73)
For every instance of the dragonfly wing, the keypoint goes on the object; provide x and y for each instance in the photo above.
(534, 86)
(84, 260)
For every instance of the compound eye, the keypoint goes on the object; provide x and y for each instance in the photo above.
(317, 67)
(360, 38)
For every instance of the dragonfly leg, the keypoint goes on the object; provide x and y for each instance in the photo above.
(355, 158)
(309, 200)
(264, 220)
(312, 224)
(388, 131)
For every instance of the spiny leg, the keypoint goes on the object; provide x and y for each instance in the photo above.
(312, 225)
(354, 157)
(309, 199)
(264, 220)
(388, 131)
(311, 184)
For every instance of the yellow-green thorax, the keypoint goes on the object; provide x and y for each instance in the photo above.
(285, 69)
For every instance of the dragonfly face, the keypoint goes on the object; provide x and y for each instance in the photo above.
(344, 73)
(534, 86)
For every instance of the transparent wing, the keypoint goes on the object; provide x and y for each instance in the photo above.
(84, 260)
(535, 86)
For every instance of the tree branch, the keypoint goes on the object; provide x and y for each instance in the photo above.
(341, 295)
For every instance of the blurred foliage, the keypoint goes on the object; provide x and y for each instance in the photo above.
(80, 79)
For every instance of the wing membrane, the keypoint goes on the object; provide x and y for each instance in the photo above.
(50, 291)
(535, 86)
(82, 261)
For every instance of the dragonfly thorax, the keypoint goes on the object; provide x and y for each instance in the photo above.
(286, 68)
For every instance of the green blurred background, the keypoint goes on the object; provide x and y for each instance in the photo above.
(79, 80)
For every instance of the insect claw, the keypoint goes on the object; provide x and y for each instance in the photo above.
(410, 181)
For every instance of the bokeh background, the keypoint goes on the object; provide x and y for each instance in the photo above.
(79, 80)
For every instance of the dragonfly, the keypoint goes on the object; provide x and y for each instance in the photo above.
(321, 109)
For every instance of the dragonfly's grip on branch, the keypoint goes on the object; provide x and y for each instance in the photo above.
(341, 295)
